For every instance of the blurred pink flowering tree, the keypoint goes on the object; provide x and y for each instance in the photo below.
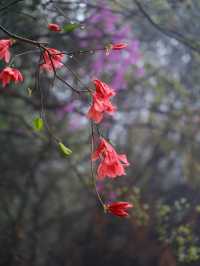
(115, 65)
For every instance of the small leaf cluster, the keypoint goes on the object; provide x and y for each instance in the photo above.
(172, 230)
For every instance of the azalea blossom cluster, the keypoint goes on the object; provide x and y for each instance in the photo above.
(52, 59)
(4, 49)
(101, 101)
(111, 164)
(8, 74)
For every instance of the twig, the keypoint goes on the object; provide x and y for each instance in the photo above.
(10, 4)
(172, 34)
(23, 39)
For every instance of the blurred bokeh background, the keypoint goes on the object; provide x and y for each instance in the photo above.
(49, 213)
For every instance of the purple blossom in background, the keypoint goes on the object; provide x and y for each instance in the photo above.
(100, 186)
(140, 72)
(68, 108)
(76, 122)
(112, 196)
(118, 63)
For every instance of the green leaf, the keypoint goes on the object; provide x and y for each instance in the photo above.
(70, 27)
(66, 151)
(38, 124)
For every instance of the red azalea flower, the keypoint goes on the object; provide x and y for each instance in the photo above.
(119, 208)
(118, 46)
(102, 89)
(9, 74)
(52, 56)
(54, 27)
(111, 164)
(100, 101)
(99, 107)
(4, 50)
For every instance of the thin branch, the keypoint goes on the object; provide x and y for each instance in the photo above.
(22, 39)
(172, 34)
(10, 5)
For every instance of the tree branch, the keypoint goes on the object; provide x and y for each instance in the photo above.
(172, 34)
(22, 39)
(10, 4)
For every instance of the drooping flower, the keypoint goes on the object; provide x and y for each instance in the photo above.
(119, 208)
(101, 101)
(4, 49)
(118, 46)
(102, 89)
(54, 27)
(111, 164)
(9, 74)
(99, 107)
(52, 59)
